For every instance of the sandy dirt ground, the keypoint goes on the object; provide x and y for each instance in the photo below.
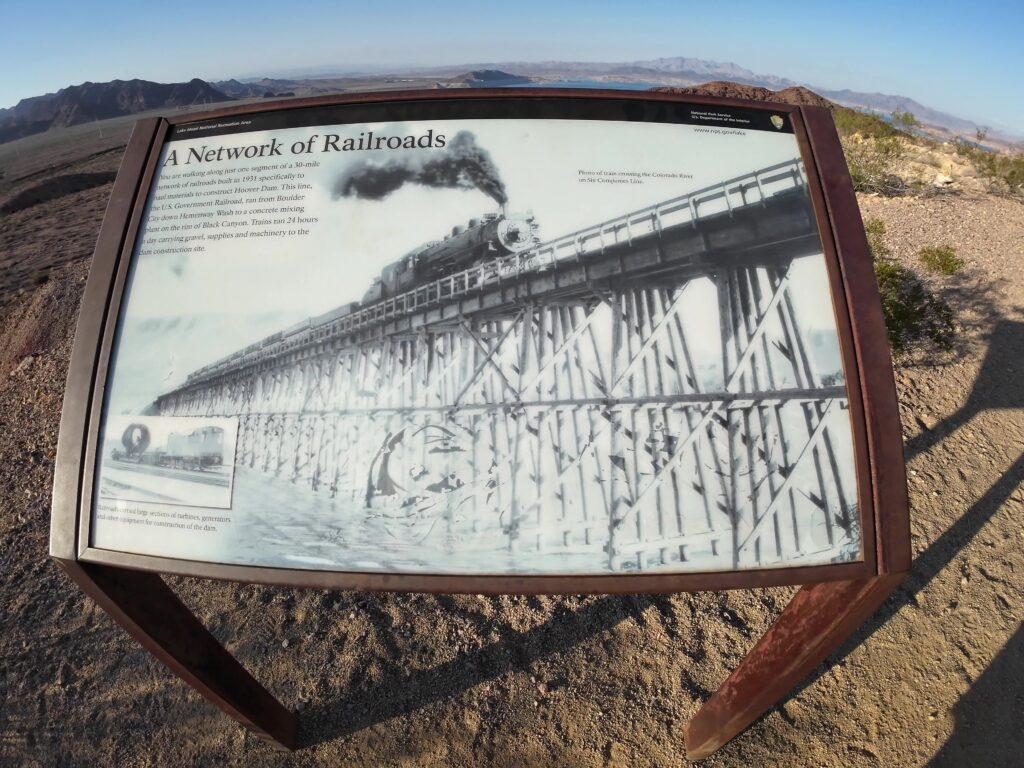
(935, 678)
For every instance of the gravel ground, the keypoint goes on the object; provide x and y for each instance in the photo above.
(39, 239)
(934, 678)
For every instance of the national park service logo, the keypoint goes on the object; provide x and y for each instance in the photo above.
(777, 121)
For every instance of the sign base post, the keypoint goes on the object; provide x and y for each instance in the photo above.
(818, 619)
(149, 611)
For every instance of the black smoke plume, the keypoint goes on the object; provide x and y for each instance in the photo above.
(462, 164)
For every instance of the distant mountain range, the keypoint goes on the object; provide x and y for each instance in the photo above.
(97, 101)
(265, 87)
(679, 67)
(681, 70)
(886, 104)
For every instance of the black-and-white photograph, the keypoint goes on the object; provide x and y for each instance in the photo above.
(173, 460)
(490, 346)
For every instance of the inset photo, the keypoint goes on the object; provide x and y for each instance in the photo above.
(169, 459)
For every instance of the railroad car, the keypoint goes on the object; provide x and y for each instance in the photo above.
(198, 450)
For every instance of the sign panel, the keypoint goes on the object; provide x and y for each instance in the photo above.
(480, 346)
(527, 342)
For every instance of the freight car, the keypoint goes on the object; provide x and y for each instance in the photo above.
(200, 449)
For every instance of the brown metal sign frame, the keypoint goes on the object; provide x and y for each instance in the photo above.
(834, 601)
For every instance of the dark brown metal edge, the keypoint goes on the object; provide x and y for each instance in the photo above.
(877, 380)
(527, 584)
(476, 94)
(856, 395)
(77, 410)
(112, 312)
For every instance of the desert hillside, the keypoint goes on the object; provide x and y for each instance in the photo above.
(89, 102)
(433, 680)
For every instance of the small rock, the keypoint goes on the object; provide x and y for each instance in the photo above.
(284, 643)
(942, 180)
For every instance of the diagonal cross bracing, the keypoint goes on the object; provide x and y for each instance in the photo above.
(563, 421)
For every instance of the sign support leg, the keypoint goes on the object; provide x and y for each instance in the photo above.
(818, 619)
(151, 613)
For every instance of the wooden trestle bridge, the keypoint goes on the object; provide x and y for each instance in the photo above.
(563, 400)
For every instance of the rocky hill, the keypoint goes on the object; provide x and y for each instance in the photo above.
(99, 101)
(723, 88)
(482, 78)
(266, 86)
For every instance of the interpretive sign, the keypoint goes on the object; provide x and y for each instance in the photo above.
(486, 341)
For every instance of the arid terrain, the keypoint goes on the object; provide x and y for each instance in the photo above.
(936, 677)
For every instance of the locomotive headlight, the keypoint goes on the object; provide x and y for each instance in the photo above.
(516, 234)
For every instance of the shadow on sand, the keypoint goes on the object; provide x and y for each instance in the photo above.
(990, 713)
(998, 385)
(400, 692)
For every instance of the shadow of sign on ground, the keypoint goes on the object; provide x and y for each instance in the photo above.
(997, 386)
(991, 712)
(402, 691)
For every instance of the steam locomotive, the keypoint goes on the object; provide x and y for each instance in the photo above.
(201, 448)
(490, 236)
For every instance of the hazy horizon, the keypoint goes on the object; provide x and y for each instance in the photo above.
(872, 47)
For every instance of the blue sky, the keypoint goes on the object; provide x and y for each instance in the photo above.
(962, 58)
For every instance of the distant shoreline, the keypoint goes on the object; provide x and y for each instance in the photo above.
(617, 84)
